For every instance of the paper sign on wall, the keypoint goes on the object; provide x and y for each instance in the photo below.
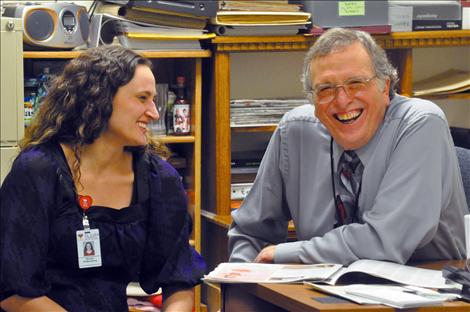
(351, 8)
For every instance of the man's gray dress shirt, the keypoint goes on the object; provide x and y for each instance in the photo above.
(411, 206)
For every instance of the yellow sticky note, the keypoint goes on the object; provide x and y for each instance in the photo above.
(351, 8)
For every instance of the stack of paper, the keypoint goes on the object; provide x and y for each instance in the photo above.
(449, 82)
(160, 37)
(152, 16)
(261, 112)
(259, 18)
(274, 6)
(146, 29)
(143, 36)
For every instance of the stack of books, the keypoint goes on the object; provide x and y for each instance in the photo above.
(145, 28)
(259, 18)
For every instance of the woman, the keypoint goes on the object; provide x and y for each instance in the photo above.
(88, 170)
(88, 249)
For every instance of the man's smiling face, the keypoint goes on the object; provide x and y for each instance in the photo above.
(352, 120)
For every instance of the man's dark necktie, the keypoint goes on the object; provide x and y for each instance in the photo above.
(350, 170)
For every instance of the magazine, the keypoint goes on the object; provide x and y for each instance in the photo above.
(393, 272)
(270, 273)
(327, 273)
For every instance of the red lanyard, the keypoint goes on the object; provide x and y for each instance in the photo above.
(85, 202)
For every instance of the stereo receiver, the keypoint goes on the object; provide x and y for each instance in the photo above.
(51, 25)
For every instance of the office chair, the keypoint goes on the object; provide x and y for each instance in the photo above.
(463, 155)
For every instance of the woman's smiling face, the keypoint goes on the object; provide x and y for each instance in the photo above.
(133, 109)
(351, 120)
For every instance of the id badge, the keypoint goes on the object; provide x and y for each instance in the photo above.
(88, 247)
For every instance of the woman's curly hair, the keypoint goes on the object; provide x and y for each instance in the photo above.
(79, 102)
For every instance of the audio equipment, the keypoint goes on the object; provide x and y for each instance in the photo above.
(240, 190)
(51, 25)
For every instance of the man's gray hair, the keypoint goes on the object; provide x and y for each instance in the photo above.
(337, 38)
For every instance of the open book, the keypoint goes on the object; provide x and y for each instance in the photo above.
(328, 273)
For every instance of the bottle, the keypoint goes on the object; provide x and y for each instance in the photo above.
(181, 109)
(169, 113)
(30, 99)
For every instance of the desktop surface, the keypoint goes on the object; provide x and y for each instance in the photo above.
(299, 297)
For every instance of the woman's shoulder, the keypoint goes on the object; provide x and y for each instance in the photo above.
(37, 159)
(36, 165)
(161, 166)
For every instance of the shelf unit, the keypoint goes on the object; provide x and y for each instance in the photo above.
(399, 46)
(167, 65)
(218, 133)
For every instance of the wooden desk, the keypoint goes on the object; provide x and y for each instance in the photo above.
(297, 297)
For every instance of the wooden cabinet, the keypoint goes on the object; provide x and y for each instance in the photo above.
(218, 133)
(167, 65)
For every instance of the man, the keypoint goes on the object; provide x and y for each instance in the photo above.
(363, 173)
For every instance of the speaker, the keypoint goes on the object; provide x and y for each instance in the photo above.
(51, 25)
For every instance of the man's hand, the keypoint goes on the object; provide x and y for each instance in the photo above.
(266, 255)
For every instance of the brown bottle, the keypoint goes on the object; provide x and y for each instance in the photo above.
(181, 109)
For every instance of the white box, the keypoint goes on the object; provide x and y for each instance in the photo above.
(465, 17)
(400, 18)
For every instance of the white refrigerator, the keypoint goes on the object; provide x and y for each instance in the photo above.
(11, 92)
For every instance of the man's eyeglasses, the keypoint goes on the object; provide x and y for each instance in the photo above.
(325, 93)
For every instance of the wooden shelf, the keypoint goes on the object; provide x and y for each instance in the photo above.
(222, 220)
(149, 54)
(422, 39)
(176, 139)
(218, 133)
(456, 96)
(274, 43)
(400, 40)
(400, 46)
(266, 128)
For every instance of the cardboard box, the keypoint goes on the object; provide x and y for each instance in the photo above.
(327, 14)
